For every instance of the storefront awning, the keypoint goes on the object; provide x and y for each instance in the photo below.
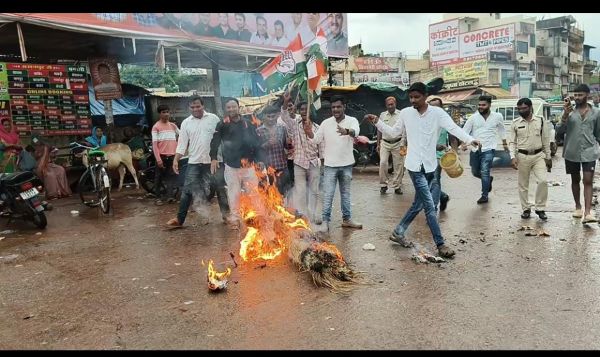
(456, 96)
(499, 93)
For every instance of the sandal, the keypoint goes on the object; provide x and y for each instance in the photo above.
(526, 214)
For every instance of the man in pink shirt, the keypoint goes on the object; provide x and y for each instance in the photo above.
(164, 144)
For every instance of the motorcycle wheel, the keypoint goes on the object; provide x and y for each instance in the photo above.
(39, 219)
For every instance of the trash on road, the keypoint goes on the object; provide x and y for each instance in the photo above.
(525, 228)
(368, 246)
(8, 231)
(555, 183)
(8, 258)
(216, 281)
(74, 213)
(539, 233)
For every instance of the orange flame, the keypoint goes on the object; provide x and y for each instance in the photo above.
(270, 224)
(215, 279)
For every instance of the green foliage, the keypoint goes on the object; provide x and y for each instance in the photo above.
(153, 77)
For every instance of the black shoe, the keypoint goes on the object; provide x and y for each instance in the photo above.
(398, 191)
(444, 202)
(526, 214)
(383, 190)
(491, 180)
(542, 215)
(482, 200)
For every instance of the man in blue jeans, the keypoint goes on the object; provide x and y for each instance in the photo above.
(485, 126)
(337, 133)
(422, 123)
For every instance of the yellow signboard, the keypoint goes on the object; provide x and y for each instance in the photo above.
(465, 70)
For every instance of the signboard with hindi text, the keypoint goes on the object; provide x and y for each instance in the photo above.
(443, 42)
(45, 99)
(465, 70)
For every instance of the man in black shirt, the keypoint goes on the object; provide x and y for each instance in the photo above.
(240, 143)
(241, 33)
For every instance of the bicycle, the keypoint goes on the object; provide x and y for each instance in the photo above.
(95, 181)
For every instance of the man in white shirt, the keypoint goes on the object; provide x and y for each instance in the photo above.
(337, 133)
(195, 136)
(422, 123)
(485, 126)
(279, 39)
(261, 37)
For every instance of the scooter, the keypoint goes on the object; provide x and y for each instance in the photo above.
(20, 197)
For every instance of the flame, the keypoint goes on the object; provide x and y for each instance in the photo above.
(270, 224)
(215, 279)
(331, 248)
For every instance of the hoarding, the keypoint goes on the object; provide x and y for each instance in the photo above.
(477, 44)
(447, 45)
(259, 30)
(443, 42)
(465, 70)
(45, 98)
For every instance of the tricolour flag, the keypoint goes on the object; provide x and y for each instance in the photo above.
(285, 67)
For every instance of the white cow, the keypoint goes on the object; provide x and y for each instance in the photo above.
(118, 156)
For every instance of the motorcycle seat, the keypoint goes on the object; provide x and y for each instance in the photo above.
(16, 178)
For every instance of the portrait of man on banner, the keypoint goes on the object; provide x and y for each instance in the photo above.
(106, 79)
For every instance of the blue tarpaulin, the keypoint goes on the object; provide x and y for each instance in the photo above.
(126, 105)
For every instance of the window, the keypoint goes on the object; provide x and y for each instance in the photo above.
(509, 114)
(493, 76)
(497, 16)
(502, 111)
(468, 27)
(522, 47)
(532, 40)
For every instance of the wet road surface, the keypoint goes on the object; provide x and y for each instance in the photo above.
(125, 282)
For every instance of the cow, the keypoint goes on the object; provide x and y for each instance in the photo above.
(119, 157)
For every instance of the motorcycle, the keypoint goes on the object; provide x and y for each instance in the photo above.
(147, 176)
(365, 151)
(20, 197)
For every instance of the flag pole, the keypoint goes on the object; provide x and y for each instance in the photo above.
(310, 95)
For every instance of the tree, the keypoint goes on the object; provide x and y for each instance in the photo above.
(149, 77)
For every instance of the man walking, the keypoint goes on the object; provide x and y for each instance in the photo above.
(387, 145)
(194, 138)
(530, 151)
(422, 123)
(581, 149)
(240, 143)
(485, 126)
(164, 144)
(337, 133)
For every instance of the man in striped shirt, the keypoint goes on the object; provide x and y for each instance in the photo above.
(164, 143)
(307, 170)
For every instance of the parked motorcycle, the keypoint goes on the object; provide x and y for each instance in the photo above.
(20, 197)
(365, 151)
(147, 176)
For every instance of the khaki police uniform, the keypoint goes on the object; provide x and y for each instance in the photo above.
(390, 146)
(530, 144)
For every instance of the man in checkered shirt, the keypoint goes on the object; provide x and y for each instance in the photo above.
(307, 162)
(272, 139)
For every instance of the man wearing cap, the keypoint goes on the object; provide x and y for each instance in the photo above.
(387, 145)
(422, 123)
(581, 148)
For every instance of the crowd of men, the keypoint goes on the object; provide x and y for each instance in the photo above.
(309, 160)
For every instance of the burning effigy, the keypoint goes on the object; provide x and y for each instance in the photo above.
(272, 230)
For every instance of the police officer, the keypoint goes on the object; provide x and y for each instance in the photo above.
(530, 151)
